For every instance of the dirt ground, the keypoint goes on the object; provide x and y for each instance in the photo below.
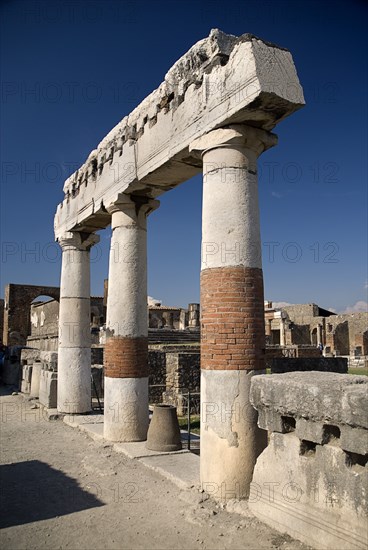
(60, 489)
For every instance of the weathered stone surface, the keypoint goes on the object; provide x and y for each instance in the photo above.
(35, 382)
(270, 420)
(50, 357)
(317, 396)
(29, 355)
(311, 431)
(16, 315)
(312, 483)
(354, 440)
(325, 364)
(316, 497)
(221, 80)
(25, 386)
(48, 389)
(27, 373)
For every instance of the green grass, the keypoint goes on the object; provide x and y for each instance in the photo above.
(361, 370)
(194, 423)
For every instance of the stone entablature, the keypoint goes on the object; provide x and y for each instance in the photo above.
(223, 79)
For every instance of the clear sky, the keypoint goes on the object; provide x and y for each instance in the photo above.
(72, 69)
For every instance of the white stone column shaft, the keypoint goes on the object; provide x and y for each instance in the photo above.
(282, 331)
(74, 356)
(126, 350)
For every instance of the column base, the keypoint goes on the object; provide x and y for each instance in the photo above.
(126, 409)
(230, 438)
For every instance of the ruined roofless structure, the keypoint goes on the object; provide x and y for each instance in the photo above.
(214, 112)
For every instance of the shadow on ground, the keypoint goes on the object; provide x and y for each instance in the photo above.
(32, 491)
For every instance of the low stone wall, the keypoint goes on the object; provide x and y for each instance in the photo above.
(157, 374)
(48, 389)
(173, 369)
(183, 375)
(325, 364)
(290, 351)
(311, 481)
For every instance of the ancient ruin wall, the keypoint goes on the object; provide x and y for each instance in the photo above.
(18, 299)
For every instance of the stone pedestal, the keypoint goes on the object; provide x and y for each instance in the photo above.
(48, 389)
(311, 480)
(232, 308)
(126, 350)
(35, 382)
(74, 362)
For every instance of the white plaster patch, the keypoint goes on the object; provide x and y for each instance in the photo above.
(228, 430)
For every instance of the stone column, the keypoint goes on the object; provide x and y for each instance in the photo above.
(319, 334)
(232, 308)
(168, 317)
(126, 349)
(194, 312)
(74, 357)
(282, 331)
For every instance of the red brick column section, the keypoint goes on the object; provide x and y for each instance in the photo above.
(126, 357)
(232, 323)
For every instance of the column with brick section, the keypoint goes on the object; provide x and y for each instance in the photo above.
(232, 308)
(74, 357)
(126, 349)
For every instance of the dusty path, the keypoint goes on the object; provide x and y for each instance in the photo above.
(60, 489)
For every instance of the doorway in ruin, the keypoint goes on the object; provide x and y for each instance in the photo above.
(314, 337)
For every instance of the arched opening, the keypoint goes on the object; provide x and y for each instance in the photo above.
(17, 318)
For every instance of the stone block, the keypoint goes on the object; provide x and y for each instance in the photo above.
(48, 389)
(29, 355)
(354, 440)
(330, 398)
(25, 386)
(310, 431)
(27, 373)
(313, 493)
(270, 420)
(49, 357)
(35, 382)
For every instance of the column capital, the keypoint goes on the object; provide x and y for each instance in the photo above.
(133, 203)
(237, 135)
(78, 240)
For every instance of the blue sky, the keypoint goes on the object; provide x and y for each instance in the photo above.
(72, 69)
